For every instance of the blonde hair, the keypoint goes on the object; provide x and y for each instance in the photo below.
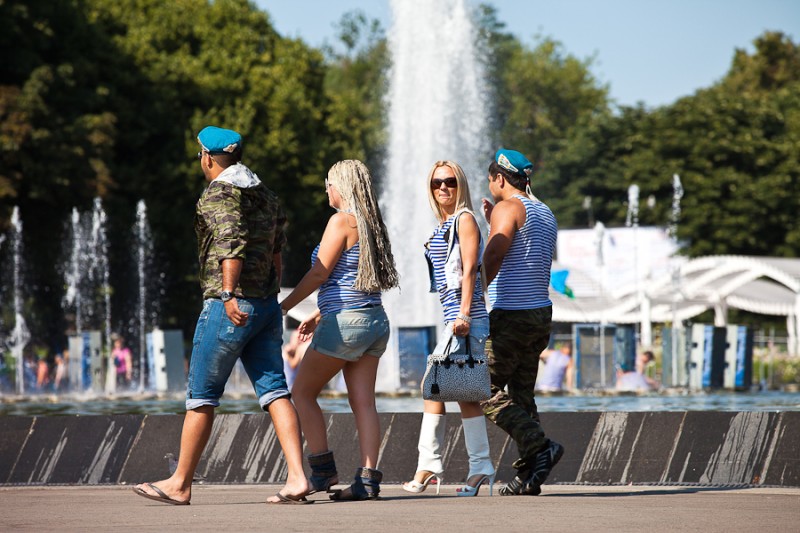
(463, 200)
(376, 269)
(462, 191)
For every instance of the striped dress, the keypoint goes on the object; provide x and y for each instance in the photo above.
(337, 292)
(524, 277)
(436, 251)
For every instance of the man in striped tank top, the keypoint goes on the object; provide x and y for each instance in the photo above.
(517, 262)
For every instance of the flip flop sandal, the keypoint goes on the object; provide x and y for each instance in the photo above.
(291, 500)
(162, 497)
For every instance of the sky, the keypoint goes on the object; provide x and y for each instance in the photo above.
(650, 51)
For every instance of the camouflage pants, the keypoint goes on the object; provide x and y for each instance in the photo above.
(516, 338)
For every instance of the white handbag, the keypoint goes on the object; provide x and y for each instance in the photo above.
(451, 377)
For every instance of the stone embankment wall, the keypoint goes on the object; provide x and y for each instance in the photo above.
(713, 448)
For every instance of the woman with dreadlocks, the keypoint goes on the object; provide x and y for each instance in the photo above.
(350, 267)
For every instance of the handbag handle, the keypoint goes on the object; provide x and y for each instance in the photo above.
(471, 361)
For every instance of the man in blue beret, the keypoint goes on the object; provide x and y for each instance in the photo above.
(240, 232)
(517, 261)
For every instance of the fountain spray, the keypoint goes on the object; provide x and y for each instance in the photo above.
(99, 246)
(438, 110)
(20, 336)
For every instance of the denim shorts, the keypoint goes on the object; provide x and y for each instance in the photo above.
(351, 333)
(478, 333)
(217, 344)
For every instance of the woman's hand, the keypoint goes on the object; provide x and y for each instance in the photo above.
(460, 328)
(308, 326)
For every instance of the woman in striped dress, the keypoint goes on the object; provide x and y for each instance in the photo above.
(350, 267)
(465, 320)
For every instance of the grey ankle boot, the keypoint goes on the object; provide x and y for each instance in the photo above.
(366, 486)
(323, 472)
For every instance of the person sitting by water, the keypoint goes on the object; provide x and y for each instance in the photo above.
(60, 374)
(121, 357)
(42, 370)
(634, 379)
(558, 366)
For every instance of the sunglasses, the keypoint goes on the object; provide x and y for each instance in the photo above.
(450, 183)
(200, 155)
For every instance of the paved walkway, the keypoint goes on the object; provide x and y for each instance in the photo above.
(560, 508)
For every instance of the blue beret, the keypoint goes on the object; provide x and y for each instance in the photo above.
(216, 140)
(514, 162)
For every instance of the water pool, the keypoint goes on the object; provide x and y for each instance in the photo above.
(244, 403)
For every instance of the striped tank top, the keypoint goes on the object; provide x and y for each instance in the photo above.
(337, 292)
(524, 278)
(436, 252)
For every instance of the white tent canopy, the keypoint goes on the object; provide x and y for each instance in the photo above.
(764, 285)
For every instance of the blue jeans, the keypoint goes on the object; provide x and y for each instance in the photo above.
(478, 333)
(217, 344)
(351, 333)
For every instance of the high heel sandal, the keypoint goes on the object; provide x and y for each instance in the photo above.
(467, 490)
(416, 487)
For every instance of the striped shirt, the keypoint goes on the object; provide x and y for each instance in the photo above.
(337, 292)
(436, 252)
(524, 278)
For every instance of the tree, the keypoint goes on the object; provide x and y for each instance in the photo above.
(547, 104)
(734, 146)
(106, 101)
(356, 84)
(56, 137)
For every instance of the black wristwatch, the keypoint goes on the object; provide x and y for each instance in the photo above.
(225, 296)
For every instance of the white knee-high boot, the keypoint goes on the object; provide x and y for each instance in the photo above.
(477, 441)
(431, 436)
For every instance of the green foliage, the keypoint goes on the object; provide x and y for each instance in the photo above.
(113, 112)
(356, 84)
(775, 369)
(541, 94)
(105, 97)
(735, 146)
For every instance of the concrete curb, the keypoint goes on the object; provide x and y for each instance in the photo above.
(710, 448)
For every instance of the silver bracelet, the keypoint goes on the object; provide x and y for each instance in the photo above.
(465, 318)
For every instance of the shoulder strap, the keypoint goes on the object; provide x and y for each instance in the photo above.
(453, 231)
(457, 216)
(480, 235)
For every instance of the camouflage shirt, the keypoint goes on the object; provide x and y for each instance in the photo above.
(239, 223)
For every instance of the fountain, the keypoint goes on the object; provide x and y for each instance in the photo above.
(73, 275)
(100, 270)
(88, 294)
(677, 194)
(144, 267)
(672, 231)
(20, 336)
(632, 220)
(438, 109)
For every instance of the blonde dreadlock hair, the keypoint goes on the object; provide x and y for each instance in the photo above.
(376, 269)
